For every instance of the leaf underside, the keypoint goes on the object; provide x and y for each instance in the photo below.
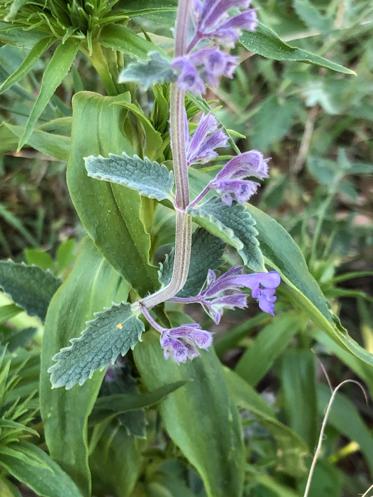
(30, 287)
(147, 73)
(235, 225)
(112, 333)
(148, 178)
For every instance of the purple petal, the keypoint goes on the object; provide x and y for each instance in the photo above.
(182, 343)
(188, 78)
(205, 140)
(205, 66)
(246, 20)
(215, 10)
(250, 163)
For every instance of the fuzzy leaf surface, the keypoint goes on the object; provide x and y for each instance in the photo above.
(28, 286)
(235, 226)
(207, 252)
(148, 178)
(147, 73)
(112, 333)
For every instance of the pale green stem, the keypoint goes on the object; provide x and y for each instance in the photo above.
(183, 233)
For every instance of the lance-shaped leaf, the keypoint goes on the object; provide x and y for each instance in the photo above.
(31, 58)
(54, 74)
(234, 225)
(28, 286)
(37, 470)
(264, 41)
(112, 333)
(148, 178)
(147, 73)
(207, 252)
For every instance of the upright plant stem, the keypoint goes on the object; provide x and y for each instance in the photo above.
(183, 233)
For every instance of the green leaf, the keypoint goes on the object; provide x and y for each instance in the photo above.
(298, 379)
(46, 479)
(207, 253)
(15, 6)
(151, 145)
(125, 40)
(200, 418)
(39, 258)
(269, 344)
(111, 214)
(157, 69)
(28, 286)
(14, 35)
(276, 489)
(146, 177)
(265, 42)
(91, 285)
(8, 489)
(284, 255)
(291, 448)
(112, 405)
(51, 144)
(8, 312)
(54, 74)
(116, 461)
(235, 226)
(112, 333)
(32, 57)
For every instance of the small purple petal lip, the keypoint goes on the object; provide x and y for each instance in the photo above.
(182, 343)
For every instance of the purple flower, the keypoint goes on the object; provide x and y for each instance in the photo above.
(182, 343)
(205, 66)
(206, 138)
(230, 182)
(262, 285)
(225, 292)
(188, 77)
(213, 20)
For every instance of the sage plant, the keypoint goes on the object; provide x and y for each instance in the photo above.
(204, 33)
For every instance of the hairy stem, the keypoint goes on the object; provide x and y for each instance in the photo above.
(183, 233)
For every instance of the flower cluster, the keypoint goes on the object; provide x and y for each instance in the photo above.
(182, 343)
(225, 292)
(230, 182)
(212, 20)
